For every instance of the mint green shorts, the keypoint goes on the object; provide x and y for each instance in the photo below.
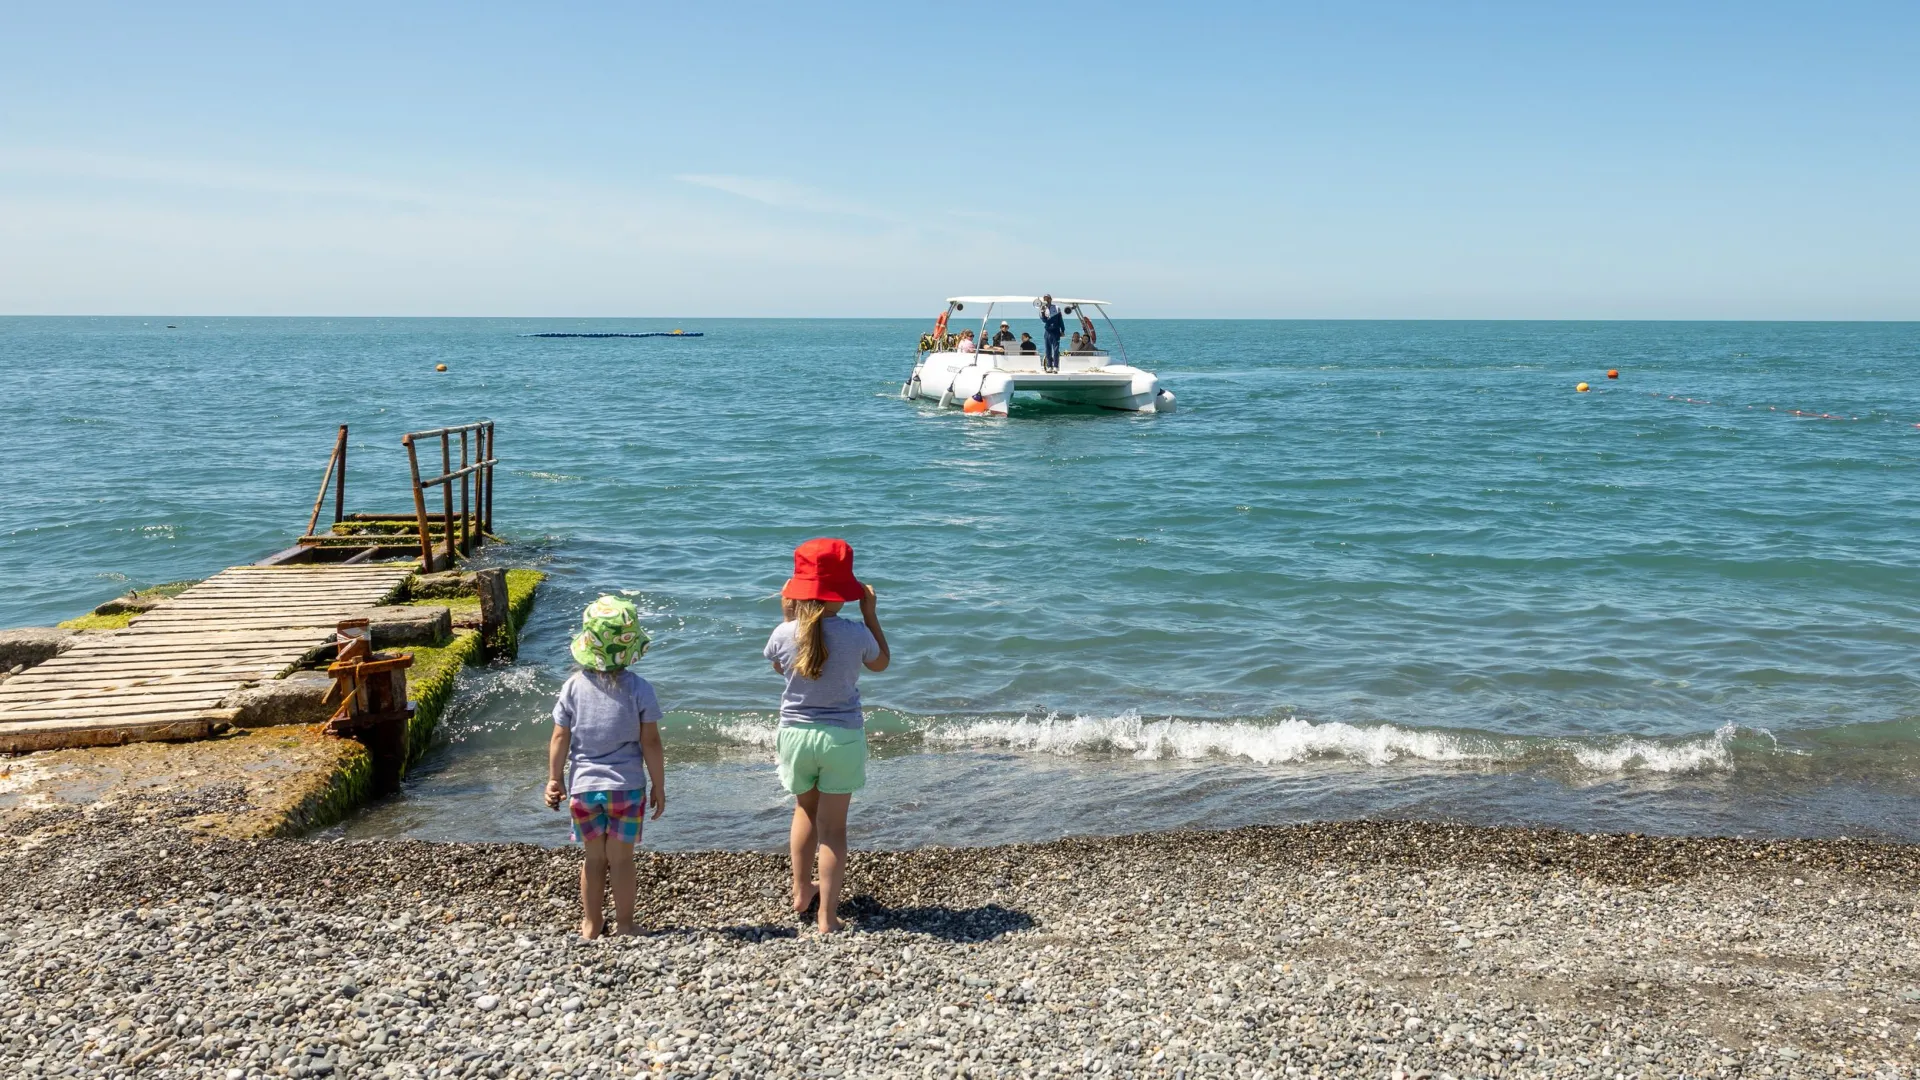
(833, 759)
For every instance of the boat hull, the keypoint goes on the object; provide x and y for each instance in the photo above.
(951, 379)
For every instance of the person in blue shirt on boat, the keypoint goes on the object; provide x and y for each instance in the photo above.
(1055, 326)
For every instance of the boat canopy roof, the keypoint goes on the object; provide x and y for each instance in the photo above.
(1018, 300)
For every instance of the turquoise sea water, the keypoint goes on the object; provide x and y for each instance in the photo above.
(1368, 569)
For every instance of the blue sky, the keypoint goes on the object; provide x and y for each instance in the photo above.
(1369, 160)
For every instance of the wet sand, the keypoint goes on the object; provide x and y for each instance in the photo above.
(1373, 949)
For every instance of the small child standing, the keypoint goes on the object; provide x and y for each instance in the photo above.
(606, 738)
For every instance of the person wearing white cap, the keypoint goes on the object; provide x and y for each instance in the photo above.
(1004, 335)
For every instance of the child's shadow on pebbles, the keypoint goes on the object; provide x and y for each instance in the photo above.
(973, 924)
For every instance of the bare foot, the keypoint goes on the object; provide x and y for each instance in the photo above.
(812, 895)
(831, 926)
(624, 929)
(589, 931)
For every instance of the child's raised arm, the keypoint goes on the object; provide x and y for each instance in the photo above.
(871, 617)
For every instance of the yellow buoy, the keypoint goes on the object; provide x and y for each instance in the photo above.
(443, 367)
(1582, 388)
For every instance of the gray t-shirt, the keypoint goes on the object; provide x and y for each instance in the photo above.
(604, 715)
(833, 699)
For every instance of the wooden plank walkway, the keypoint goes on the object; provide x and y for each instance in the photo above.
(165, 674)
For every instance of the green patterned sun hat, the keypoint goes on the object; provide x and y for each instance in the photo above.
(610, 635)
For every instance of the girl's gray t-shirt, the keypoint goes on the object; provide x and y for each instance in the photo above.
(604, 716)
(833, 699)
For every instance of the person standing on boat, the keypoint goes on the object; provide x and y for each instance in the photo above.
(1055, 326)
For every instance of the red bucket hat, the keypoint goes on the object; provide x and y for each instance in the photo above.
(823, 570)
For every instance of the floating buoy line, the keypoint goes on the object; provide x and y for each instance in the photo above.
(1804, 414)
(651, 333)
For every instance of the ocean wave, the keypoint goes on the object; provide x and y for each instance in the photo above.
(1291, 740)
(1270, 743)
(1700, 754)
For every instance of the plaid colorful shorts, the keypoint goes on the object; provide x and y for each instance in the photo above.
(613, 814)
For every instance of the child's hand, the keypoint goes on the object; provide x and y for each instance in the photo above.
(866, 601)
(555, 793)
(657, 798)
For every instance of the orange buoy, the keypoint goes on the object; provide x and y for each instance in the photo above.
(439, 367)
(1613, 373)
(974, 405)
(1581, 389)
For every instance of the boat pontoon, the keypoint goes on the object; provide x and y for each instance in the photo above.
(990, 374)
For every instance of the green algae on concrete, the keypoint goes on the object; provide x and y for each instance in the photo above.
(117, 612)
(431, 680)
(99, 622)
(521, 586)
(245, 784)
(330, 798)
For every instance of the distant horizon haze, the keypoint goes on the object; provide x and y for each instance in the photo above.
(1379, 160)
(1118, 316)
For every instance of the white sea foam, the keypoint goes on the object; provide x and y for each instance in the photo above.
(749, 732)
(1692, 755)
(1288, 740)
(1272, 743)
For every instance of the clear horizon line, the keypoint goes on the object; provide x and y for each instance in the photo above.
(921, 317)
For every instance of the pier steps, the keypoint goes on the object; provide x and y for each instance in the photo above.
(164, 676)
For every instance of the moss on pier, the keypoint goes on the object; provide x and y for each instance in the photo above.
(255, 782)
(99, 622)
(323, 799)
(521, 586)
(431, 680)
(117, 612)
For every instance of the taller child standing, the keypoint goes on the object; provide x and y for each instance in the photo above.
(822, 741)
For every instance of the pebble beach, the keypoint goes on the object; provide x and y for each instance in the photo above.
(1351, 949)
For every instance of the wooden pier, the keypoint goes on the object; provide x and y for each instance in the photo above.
(164, 676)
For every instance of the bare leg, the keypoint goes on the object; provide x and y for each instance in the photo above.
(830, 824)
(800, 844)
(593, 887)
(620, 862)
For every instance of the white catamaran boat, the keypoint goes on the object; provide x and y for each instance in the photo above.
(982, 374)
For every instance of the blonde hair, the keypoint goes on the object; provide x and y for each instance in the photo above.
(810, 635)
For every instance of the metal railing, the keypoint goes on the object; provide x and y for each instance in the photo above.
(474, 476)
(336, 478)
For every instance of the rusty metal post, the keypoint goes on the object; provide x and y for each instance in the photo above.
(491, 459)
(371, 689)
(340, 490)
(446, 494)
(334, 460)
(419, 506)
(466, 503)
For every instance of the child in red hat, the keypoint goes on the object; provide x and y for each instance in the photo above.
(822, 742)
